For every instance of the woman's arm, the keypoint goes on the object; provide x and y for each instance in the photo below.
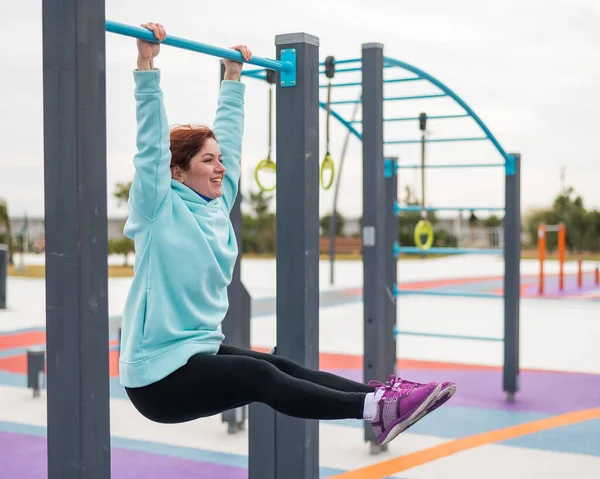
(229, 124)
(152, 179)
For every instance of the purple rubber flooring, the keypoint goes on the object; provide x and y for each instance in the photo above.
(543, 392)
(24, 457)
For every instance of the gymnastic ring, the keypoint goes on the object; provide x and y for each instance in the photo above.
(423, 228)
(267, 165)
(327, 164)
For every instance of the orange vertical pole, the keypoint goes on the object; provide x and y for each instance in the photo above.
(562, 230)
(541, 253)
(579, 273)
(597, 276)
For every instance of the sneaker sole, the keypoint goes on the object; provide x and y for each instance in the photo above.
(413, 418)
(444, 395)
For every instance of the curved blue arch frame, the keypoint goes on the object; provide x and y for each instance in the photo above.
(389, 62)
(454, 96)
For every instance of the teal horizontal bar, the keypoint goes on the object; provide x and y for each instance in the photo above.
(258, 74)
(401, 80)
(171, 40)
(353, 69)
(414, 97)
(395, 80)
(448, 336)
(457, 165)
(345, 102)
(340, 85)
(415, 250)
(435, 117)
(344, 70)
(438, 140)
(449, 208)
(422, 292)
(344, 62)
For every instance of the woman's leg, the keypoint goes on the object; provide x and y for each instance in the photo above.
(294, 369)
(210, 384)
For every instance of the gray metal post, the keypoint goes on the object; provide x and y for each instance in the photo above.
(376, 364)
(236, 325)
(297, 139)
(3, 274)
(391, 237)
(76, 239)
(36, 365)
(512, 277)
(262, 440)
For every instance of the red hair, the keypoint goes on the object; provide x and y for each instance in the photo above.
(186, 142)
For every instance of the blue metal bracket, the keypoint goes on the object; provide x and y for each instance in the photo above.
(288, 78)
(396, 250)
(390, 166)
(397, 208)
(510, 165)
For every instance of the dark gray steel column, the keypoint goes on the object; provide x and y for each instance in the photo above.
(391, 237)
(262, 441)
(236, 325)
(297, 140)
(3, 274)
(512, 277)
(374, 251)
(76, 239)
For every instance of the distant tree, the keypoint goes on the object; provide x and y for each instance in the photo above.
(121, 192)
(340, 221)
(259, 227)
(583, 226)
(6, 230)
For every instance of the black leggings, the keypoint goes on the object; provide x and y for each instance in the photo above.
(210, 384)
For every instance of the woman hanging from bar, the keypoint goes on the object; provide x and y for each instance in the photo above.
(173, 364)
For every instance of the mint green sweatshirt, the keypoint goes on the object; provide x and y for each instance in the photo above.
(185, 247)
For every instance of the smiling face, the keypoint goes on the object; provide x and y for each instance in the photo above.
(205, 171)
(196, 160)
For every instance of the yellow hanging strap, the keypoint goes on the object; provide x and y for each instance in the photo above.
(423, 234)
(267, 165)
(327, 163)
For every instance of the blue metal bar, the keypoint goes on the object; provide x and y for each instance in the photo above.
(434, 250)
(416, 118)
(447, 336)
(399, 80)
(144, 34)
(252, 71)
(258, 74)
(456, 98)
(415, 97)
(424, 292)
(339, 85)
(437, 117)
(465, 165)
(345, 102)
(343, 62)
(437, 140)
(353, 69)
(343, 70)
(449, 208)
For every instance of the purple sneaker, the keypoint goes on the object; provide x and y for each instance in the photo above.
(446, 392)
(399, 407)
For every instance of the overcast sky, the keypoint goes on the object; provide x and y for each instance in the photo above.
(530, 69)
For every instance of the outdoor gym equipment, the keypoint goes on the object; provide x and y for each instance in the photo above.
(78, 431)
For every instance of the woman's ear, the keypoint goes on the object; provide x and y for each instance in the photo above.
(176, 173)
